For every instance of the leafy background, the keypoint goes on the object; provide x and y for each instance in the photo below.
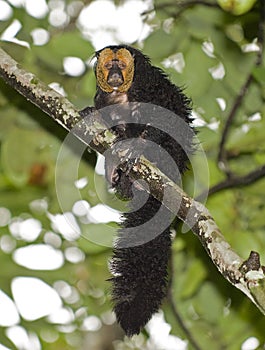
(219, 50)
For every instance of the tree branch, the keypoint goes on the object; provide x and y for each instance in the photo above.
(248, 276)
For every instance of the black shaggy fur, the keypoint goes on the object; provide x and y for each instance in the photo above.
(140, 259)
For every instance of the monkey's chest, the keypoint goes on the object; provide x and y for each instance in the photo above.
(116, 97)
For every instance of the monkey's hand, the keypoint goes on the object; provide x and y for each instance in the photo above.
(86, 111)
(124, 154)
(120, 160)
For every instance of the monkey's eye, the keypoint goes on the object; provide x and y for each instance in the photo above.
(108, 65)
(122, 65)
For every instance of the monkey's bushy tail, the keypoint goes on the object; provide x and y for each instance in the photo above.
(141, 269)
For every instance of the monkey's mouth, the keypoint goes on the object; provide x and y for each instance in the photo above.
(115, 79)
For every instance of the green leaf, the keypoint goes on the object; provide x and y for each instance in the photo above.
(193, 279)
(97, 237)
(62, 45)
(22, 150)
(259, 74)
(209, 303)
(197, 80)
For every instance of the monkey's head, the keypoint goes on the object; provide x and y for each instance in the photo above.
(114, 69)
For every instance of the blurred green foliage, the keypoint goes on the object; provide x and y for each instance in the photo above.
(217, 315)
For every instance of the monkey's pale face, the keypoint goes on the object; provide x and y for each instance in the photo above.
(115, 70)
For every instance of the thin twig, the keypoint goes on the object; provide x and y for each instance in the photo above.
(186, 5)
(175, 311)
(222, 155)
(261, 32)
(181, 6)
(236, 181)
